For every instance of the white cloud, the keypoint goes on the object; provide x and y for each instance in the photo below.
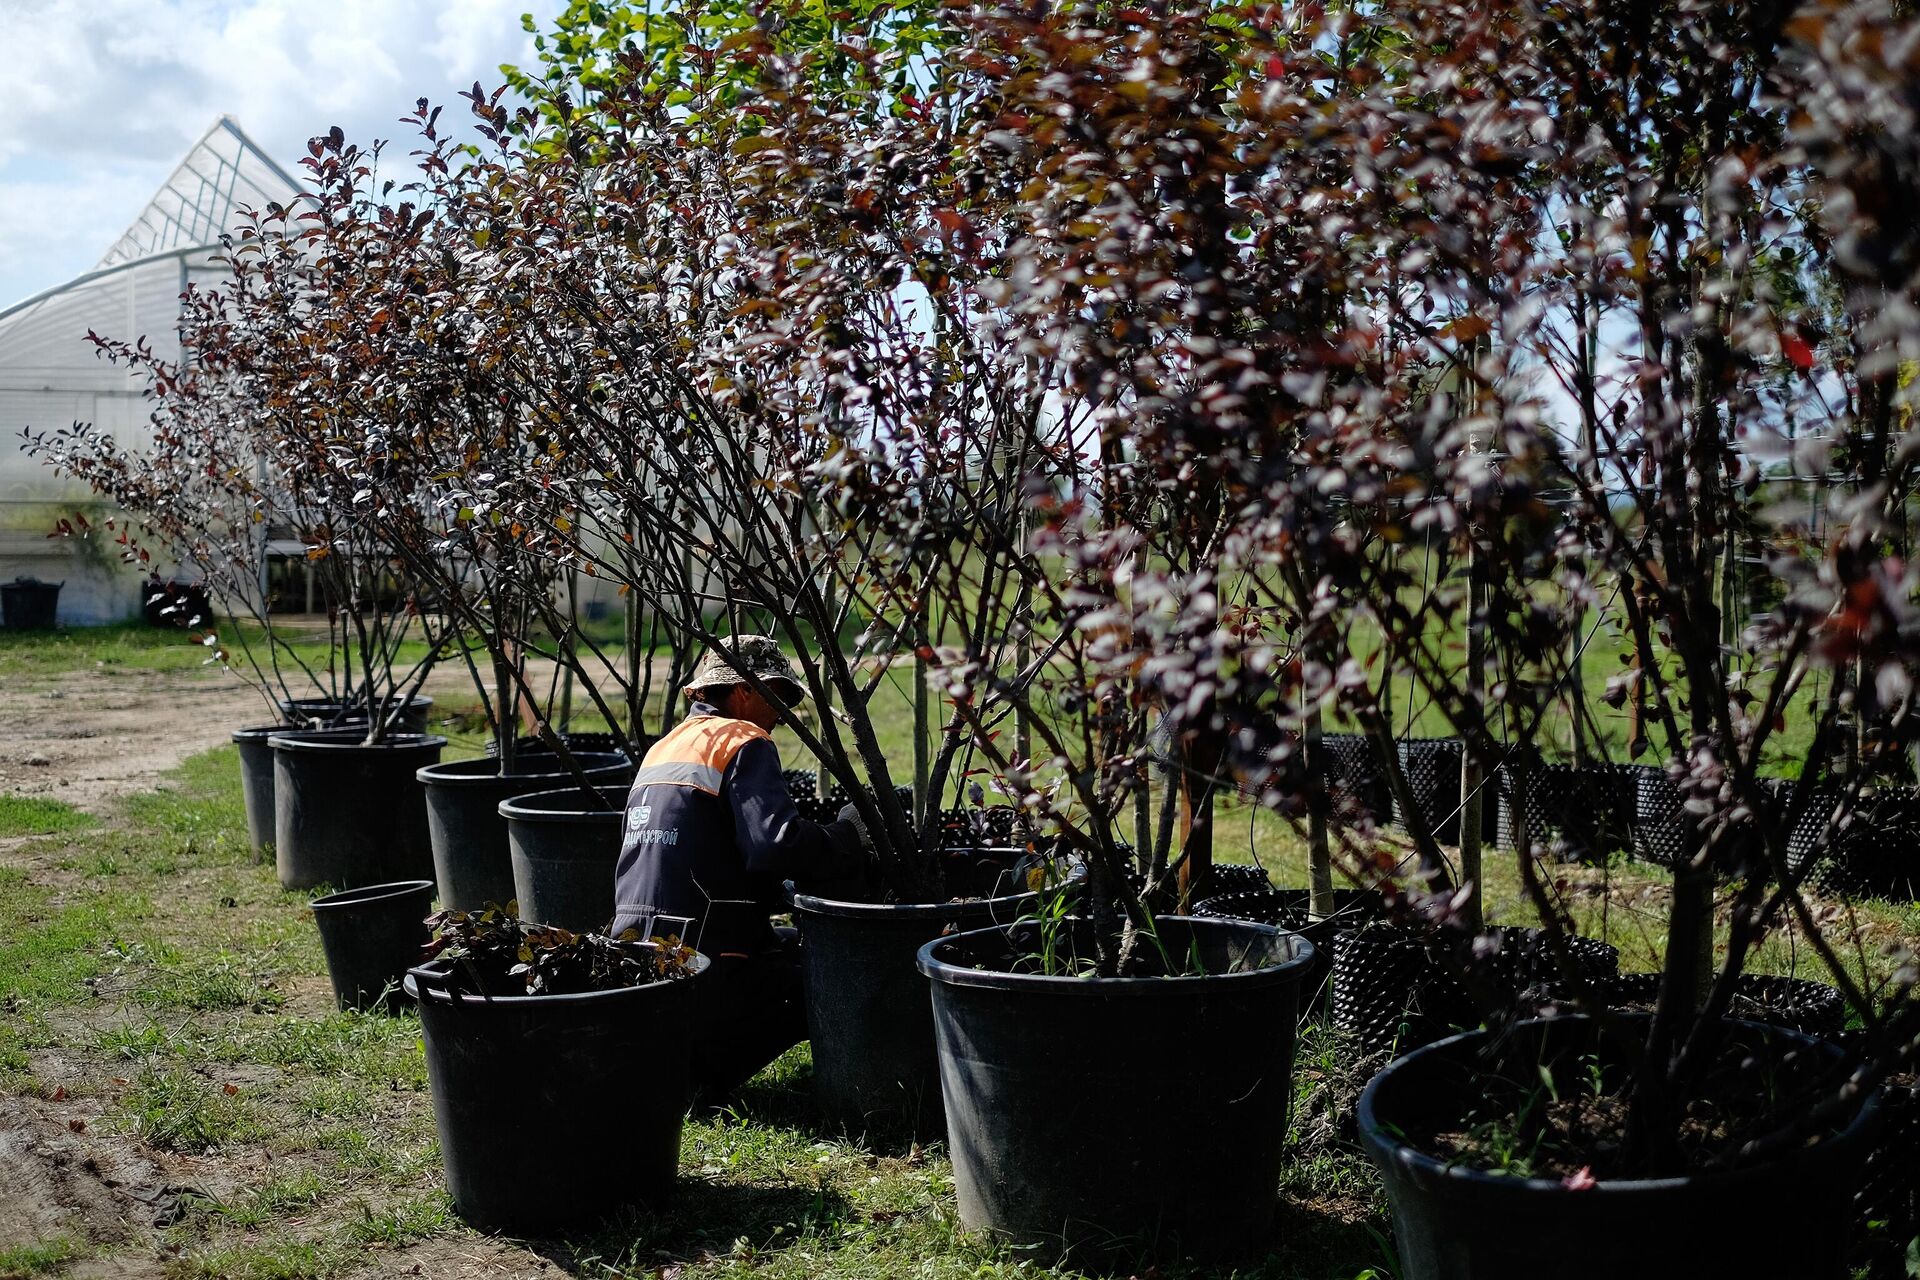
(103, 97)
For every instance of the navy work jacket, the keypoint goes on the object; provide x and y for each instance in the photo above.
(710, 834)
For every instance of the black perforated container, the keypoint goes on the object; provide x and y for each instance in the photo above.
(1287, 909)
(1352, 774)
(1580, 811)
(1877, 854)
(1799, 1004)
(1395, 990)
(1432, 766)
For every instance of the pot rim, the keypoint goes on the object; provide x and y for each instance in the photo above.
(368, 894)
(1292, 969)
(458, 773)
(261, 732)
(309, 740)
(517, 808)
(323, 700)
(413, 985)
(1417, 1163)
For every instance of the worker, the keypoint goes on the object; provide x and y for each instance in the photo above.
(711, 833)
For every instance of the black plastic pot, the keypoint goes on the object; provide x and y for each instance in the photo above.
(1394, 990)
(348, 814)
(556, 1111)
(1432, 766)
(564, 845)
(328, 713)
(1876, 855)
(1584, 812)
(1287, 909)
(579, 743)
(874, 1066)
(1785, 1217)
(372, 936)
(1352, 774)
(1798, 1004)
(1119, 1114)
(472, 862)
(256, 783)
(28, 604)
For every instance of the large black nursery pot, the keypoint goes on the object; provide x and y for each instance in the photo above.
(1785, 1216)
(471, 859)
(554, 1112)
(256, 783)
(348, 813)
(371, 937)
(1125, 1115)
(874, 1066)
(563, 846)
(331, 713)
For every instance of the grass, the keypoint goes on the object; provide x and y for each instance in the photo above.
(38, 816)
(41, 1257)
(156, 973)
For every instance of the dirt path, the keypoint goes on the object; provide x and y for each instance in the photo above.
(98, 734)
(87, 737)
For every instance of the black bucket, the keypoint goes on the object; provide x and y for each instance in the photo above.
(329, 713)
(1122, 1115)
(1787, 1216)
(554, 1112)
(372, 936)
(28, 604)
(347, 814)
(256, 784)
(874, 1066)
(564, 852)
(471, 860)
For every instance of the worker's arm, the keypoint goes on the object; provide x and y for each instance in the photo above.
(773, 838)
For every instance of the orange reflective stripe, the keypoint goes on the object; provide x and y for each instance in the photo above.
(696, 752)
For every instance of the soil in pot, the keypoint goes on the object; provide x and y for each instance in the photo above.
(472, 861)
(1475, 1191)
(874, 1067)
(1167, 1135)
(256, 784)
(347, 813)
(371, 937)
(563, 846)
(597, 1080)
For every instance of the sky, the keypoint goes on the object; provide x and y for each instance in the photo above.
(100, 99)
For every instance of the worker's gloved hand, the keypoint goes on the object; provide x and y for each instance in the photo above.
(850, 815)
(850, 834)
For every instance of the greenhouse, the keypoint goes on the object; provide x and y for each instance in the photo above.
(51, 376)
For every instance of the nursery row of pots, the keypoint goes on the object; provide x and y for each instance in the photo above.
(338, 810)
(942, 1019)
(1171, 1143)
(1586, 812)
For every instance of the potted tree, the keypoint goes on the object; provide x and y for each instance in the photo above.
(541, 1038)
